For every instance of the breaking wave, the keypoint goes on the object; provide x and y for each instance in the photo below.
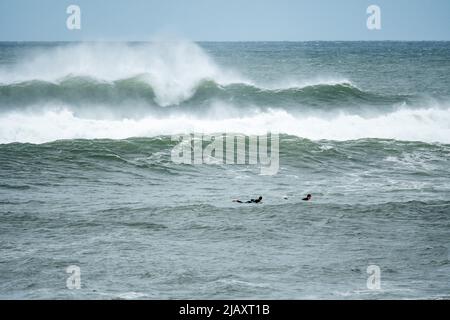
(127, 90)
(139, 90)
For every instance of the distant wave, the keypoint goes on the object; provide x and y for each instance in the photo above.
(161, 74)
(79, 91)
(166, 72)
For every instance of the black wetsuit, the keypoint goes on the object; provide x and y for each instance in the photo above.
(250, 201)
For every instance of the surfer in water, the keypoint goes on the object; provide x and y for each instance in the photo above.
(250, 201)
(308, 197)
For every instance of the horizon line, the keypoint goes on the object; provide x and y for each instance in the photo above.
(231, 41)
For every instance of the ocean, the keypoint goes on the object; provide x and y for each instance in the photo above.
(88, 181)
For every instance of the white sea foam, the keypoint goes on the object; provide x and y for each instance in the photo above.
(428, 125)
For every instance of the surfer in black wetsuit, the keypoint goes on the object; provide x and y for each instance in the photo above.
(308, 197)
(250, 201)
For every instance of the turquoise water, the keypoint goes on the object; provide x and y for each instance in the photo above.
(87, 179)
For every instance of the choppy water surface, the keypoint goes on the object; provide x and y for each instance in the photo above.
(86, 176)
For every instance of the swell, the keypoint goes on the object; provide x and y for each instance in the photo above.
(88, 91)
(158, 150)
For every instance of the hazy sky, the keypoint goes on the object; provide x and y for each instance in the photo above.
(224, 20)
